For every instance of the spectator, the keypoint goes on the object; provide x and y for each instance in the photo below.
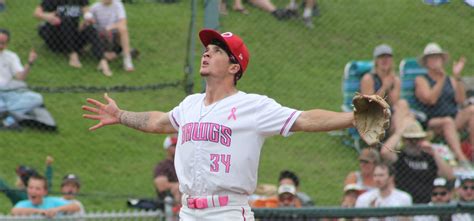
(23, 175)
(60, 30)
(441, 194)
(15, 99)
(383, 81)
(39, 204)
(439, 96)
(351, 193)
(70, 187)
(287, 196)
(386, 195)
(466, 193)
(238, 7)
(358, 182)
(417, 164)
(290, 178)
(166, 181)
(110, 21)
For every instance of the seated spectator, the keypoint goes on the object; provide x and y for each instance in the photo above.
(386, 195)
(466, 193)
(441, 193)
(382, 80)
(39, 204)
(466, 189)
(417, 165)
(290, 178)
(60, 30)
(110, 21)
(358, 182)
(439, 97)
(351, 193)
(16, 100)
(165, 179)
(287, 196)
(70, 187)
(23, 175)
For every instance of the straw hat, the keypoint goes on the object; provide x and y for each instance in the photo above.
(414, 131)
(433, 49)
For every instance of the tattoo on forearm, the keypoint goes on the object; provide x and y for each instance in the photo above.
(135, 120)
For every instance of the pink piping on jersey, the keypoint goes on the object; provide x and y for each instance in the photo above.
(286, 122)
(174, 119)
(243, 213)
(232, 114)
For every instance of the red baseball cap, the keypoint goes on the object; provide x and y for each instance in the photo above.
(234, 43)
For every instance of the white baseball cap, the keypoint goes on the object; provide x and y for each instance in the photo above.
(170, 140)
(286, 188)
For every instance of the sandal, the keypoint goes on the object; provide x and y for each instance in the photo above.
(242, 10)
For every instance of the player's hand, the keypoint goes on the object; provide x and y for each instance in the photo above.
(458, 66)
(107, 114)
(426, 147)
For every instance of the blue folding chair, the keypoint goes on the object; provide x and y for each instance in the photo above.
(353, 72)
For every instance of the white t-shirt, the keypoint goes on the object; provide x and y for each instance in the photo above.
(107, 14)
(373, 198)
(10, 65)
(219, 145)
(454, 217)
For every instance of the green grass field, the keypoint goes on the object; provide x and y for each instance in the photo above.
(298, 67)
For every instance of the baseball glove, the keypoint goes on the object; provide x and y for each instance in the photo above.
(372, 117)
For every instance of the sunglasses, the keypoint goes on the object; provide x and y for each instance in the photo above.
(468, 187)
(286, 197)
(442, 193)
(364, 161)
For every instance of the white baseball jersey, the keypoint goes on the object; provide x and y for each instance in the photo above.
(219, 145)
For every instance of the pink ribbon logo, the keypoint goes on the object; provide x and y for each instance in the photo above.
(232, 114)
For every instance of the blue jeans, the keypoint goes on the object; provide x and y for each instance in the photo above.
(19, 102)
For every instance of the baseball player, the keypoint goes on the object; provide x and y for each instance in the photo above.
(220, 132)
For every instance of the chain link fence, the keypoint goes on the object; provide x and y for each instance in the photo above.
(301, 61)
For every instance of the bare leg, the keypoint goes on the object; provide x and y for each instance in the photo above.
(465, 118)
(223, 7)
(74, 60)
(238, 6)
(401, 111)
(447, 127)
(125, 43)
(265, 5)
(104, 67)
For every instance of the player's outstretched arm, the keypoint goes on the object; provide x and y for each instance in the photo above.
(322, 120)
(110, 113)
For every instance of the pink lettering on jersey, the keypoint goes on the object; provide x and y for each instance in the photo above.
(226, 136)
(232, 114)
(225, 159)
(214, 132)
(206, 131)
(214, 163)
(203, 132)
